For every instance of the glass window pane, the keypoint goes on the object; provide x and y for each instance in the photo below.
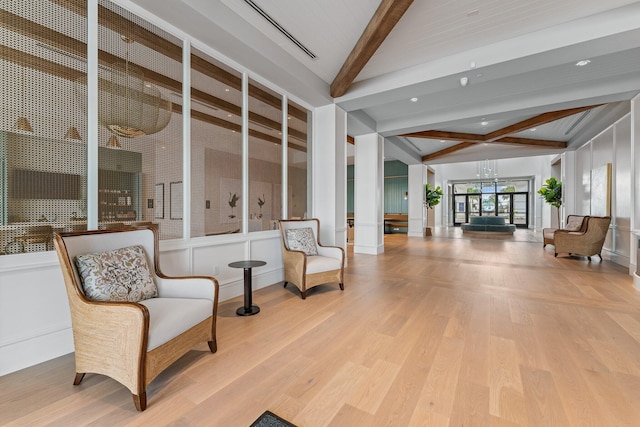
(216, 147)
(488, 187)
(140, 132)
(43, 167)
(265, 158)
(472, 187)
(299, 130)
(513, 186)
(488, 204)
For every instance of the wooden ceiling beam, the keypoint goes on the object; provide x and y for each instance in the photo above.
(531, 142)
(447, 150)
(125, 27)
(538, 120)
(383, 21)
(448, 136)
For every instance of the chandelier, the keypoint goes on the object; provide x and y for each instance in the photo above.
(487, 169)
(128, 105)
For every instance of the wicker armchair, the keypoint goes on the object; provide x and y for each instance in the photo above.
(574, 223)
(306, 271)
(133, 342)
(586, 243)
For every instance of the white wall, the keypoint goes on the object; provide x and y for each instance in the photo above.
(537, 167)
(613, 145)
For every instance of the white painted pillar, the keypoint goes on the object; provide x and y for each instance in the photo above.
(329, 174)
(417, 181)
(568, 185)
(368, 194)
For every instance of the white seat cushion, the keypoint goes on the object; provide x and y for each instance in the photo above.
(318, 264)
(169, 317)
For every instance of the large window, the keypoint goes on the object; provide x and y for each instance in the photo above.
(299, 132)
(505, 198)
(216, 147)
(46, 169)
(264, 204)
(43, 168)
(140, 132)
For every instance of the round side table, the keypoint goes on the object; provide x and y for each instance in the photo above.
(248, 309)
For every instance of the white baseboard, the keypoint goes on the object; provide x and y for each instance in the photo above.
(31, 351)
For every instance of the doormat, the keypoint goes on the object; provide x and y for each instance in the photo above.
(269, 419)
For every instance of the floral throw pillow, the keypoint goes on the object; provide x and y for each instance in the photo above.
(117, 275)
(302, 239)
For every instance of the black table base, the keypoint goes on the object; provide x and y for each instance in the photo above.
(242, 311)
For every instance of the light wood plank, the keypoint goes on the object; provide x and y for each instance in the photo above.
(493, 333)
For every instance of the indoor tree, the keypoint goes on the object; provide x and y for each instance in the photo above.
(551, 192)
(431, 199)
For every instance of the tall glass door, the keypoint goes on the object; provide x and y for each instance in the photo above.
(520, 215)
(460, 210)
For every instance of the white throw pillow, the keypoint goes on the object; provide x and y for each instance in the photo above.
(302, 239)
(116, 275)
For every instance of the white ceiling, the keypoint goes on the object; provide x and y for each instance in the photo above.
(519, 57)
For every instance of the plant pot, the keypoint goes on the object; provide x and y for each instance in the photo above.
(427, 232)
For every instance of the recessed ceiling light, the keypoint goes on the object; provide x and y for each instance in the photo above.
(442, 140)
(583, 63)
(229, 115)
(532, 129)
(414, 99)
(484, 123)
(226, 89)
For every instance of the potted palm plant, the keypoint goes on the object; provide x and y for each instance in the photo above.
(551, 192)
(431, 199)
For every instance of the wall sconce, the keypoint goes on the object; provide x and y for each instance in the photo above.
(406, 195)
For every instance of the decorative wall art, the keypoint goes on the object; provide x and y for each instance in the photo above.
(230, 200)
(601, 191)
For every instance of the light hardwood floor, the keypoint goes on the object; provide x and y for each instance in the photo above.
(442, 331)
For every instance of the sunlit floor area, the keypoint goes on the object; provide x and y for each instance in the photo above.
(443, 331)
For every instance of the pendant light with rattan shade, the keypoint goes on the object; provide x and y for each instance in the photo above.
(22, 124)
(128, 105)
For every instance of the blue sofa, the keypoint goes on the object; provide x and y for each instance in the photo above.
(488, 224)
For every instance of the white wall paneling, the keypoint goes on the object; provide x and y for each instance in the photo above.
(613, 145)
(329, 163)
(35, 323)
(417, 180)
